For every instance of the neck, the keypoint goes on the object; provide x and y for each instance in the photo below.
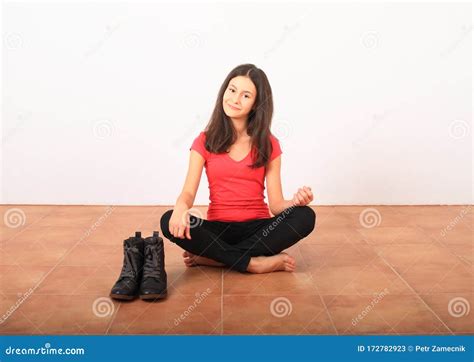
(240, 126)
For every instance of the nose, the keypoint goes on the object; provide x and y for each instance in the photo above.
(235, 99)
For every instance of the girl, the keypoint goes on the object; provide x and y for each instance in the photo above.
(239, 154)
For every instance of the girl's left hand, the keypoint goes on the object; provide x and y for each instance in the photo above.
(303, 197)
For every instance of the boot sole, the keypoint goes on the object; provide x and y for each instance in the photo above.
(122, 296)
(154, 296)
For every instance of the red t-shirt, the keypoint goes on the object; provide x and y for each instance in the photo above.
(235, 190)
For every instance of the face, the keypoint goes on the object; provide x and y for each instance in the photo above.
(239, 97)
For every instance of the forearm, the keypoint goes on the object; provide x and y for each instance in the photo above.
(281, 206)
(184, 202)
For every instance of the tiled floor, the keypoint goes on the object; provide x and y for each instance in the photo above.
(363, 270)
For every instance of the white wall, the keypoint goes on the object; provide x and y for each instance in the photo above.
(102, 101)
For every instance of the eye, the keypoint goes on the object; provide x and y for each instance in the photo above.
(247, 96)
(231, 89)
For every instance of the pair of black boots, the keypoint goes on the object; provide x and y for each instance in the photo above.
(143, 272)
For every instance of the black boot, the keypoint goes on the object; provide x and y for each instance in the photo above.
(128, 282)
(154, 280)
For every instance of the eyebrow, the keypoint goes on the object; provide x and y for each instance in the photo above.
(244, 90)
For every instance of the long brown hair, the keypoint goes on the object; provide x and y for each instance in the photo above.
(220, 132)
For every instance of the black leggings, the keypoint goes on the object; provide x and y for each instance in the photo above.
(234, 243)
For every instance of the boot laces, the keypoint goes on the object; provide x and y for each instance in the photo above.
(128, 270)
(152, 266)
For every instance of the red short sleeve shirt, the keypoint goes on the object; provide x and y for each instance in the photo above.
(236, 192)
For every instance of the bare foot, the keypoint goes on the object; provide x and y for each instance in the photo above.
(268, 264)
(191, 260)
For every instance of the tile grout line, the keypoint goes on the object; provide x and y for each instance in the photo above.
(29, 226)
(406, 283)
(222, 302)
(319, 294)
(113, 319)
(416, 293)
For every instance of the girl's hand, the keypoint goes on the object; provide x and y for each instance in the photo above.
(303, 197)
(179, 223)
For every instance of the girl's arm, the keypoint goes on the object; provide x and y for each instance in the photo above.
(179, 222)
(276, 202)
(191, 183)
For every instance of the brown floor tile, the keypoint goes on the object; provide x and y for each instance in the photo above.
(19, 279)
(191, 281)
(78, 216)
(62, 235)
(405, 256)
(373, 277)
(34, 254)
(94, 255)
(319, 255)
(376, 216)
(459, 234)
(395, 235)
(334, 236)
(18, 218)
(331, 219)
(432, 278)
(464, 252)
(178, 314)
(454, 309)
(288, 314)
(279, 283)
(382, 313)
(70, 280)
(410, 251)
(441, 217)
(61, 314)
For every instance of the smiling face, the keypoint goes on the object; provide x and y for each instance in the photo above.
(239, 97)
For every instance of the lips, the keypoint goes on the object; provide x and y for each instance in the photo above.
(234, 108)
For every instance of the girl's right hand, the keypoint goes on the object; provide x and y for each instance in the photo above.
(179, 225)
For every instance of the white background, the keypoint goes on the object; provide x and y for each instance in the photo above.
(101, 102)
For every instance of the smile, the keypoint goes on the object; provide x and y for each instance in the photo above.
(231, 107)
